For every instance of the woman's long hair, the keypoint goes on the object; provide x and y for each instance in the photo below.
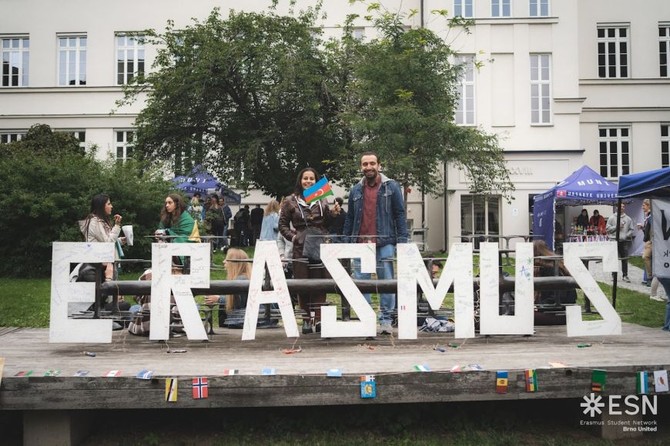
(235, 269)
(169, 219)
(540, 249)
(272, 207)
(297, 190)
(98, 203)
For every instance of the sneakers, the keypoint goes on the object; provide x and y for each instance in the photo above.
(657, 298)
(625, 279)
(385, 328)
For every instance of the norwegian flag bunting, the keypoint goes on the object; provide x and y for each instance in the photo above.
(200, 388)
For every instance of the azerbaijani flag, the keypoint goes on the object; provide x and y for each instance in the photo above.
(320, 190)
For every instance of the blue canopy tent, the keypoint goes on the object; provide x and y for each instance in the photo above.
(583, 186)
(204, 183)
(652, 183)
(649, 184)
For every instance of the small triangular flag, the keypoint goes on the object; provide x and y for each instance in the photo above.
(334, 373)
(228, 372)
(113, 373)
(81, 373)
(421, 368)
(269, 371)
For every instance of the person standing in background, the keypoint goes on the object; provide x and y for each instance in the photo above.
(625, 237)
(256, 221)
(645, 227)
(598, 223)
(270, 225)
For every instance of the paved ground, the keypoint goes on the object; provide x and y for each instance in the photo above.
(635, 275)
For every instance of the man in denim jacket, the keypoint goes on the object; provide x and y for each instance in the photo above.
(376, 214)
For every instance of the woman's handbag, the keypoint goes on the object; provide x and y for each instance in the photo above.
(312, 238)
(311, 248)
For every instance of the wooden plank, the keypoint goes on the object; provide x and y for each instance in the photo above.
(301, 377)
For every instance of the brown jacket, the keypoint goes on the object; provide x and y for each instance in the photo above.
(315, 215)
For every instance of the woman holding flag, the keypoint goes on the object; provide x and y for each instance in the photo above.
(304, 209)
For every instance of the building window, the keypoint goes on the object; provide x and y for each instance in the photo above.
(479, 215)
(465, 110)
(501, 8)
(613, 52)
(463, 8)
(614, 151)
(663, 48)
(665, 146)
(540, 89)
(72, 60)
(15, 61)
(79, 135)
(129, 58)
(124, 145)
(11, 137)
(539, 8)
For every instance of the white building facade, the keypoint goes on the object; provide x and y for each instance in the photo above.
(563, 83)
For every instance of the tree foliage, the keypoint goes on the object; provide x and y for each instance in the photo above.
(256, 97)
(403, 95)
(47, 187)
(247, 96)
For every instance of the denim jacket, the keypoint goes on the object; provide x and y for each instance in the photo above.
(391, 220)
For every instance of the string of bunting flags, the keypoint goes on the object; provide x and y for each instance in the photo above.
(368, 383)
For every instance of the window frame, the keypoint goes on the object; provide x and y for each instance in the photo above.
(464, 8)
(126, 144)
(501, 8)
(19, 55)
(623, 145)
(664, 50)
(464, 84)
(665, 144)
(134, 52)
(542, 8)
(536, 101)
(606, 56)
(11, 136)
(79, 52)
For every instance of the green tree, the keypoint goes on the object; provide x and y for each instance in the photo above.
(402, 97)
(47, 187)
(248, 97)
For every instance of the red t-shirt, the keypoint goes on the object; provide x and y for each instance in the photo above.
(369, 217)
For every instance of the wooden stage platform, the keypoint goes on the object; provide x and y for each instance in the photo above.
(563, 368)
(53, 406)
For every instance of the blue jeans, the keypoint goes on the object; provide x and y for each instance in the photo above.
(385, 256)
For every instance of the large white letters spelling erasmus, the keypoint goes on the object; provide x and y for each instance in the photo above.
(412, 274)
